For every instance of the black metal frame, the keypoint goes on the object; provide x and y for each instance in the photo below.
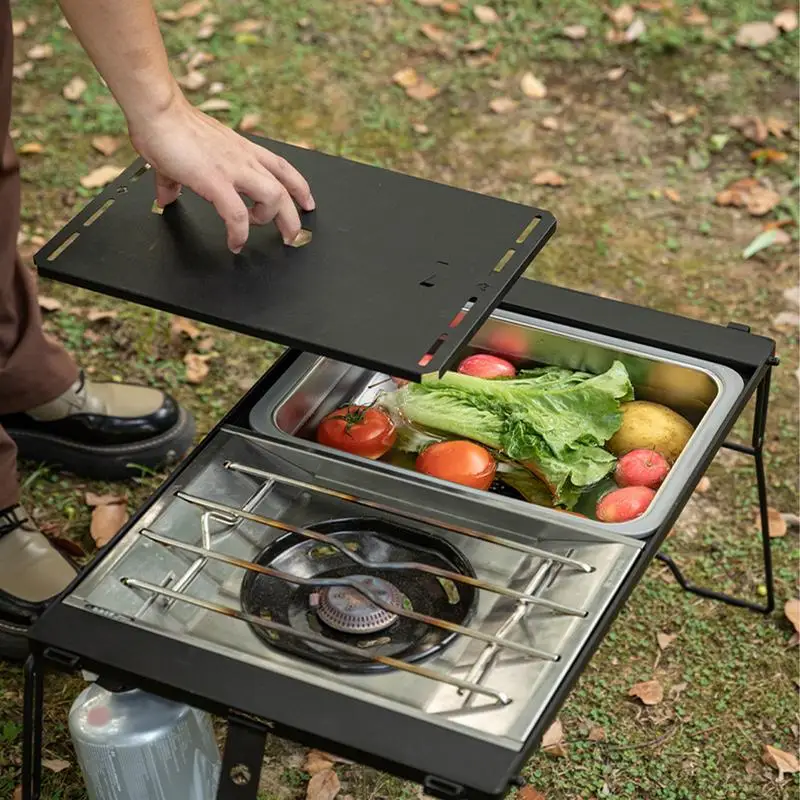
(71, 639)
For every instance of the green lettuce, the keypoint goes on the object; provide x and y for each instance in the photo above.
(553, 420)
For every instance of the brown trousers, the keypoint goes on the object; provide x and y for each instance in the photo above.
(33, 368)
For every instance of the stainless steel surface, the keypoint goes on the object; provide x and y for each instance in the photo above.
(501, 704)
(702, 391)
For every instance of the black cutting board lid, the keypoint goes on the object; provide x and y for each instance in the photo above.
(392, 262)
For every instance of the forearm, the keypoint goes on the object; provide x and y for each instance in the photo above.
(123, 40)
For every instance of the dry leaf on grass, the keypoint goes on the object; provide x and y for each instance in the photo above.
(529, 793)
(420, 127)
(751, 127)
(575, 32)
(249, 122)
(486, 15)
(694, 16)
(548, 177)
(206, 31)
(761, 201)
(197, 59)
(197, 368)
(651, 693)
(101, 315)
(180, 326)
(39, 52)
(74, 89)
(791, 610)
(597, 734)
(634, 31)
(777, 524)
(106, 522)
(248, 26)
(621, 16)
(206, 344)
(55, 764)
(550, 123)
(31, 149)
(785, 20)
(553, 740)
(768, 155)
(94, 500)
(214, 104)
(756, 34)
(21, 70)
(777, 127)
(49, 303)
(532, 87)
(785, 763)
(503, 105)
(703, 485)
(451, 7)
(422, 91)
(17, 793)
(785, 319)
(433, 32)
(665, 639)
(101, 176)
(672, 195)
(323, 786)
(429, 3)
(792, 295)
(750, 194)
(316, 762)
(406, 77)
(615, 74)
(18, 27)
(186, 11)
(107, 145)
(676, 116)
(193, 80)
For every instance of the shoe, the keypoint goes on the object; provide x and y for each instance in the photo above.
(108, 431)
(32, 573)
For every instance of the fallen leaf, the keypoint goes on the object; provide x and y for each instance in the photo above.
(106, 522)
(486, 15)
(193, 80)
(550, 123)
(180, 326)
(420, 128)
(17, 793)
(316, 762)
(99, 315)
(548, 177)
(214, 104)
(422, 91)
(791, 610)
(694, 16)
(767, 154)
(75, 89)
(216, 87)
(206, 344)
(429, 3)
(94, 500)
(21, 70)
(785, 20)
(777, 127)
(621, 16)
(748, 192)
(597, 734)
(574, 32)
(532, 87)
(206, 31)
(406, 77)
(635, 30)
(553, 740)
(677, 690)
(529, 793)
(101, 176)
(55, 764)
(503, 105)
(756, 34)
(31, 148)
(18, 27)
(107, 145)
(777, 524)
(785, 763)
(761, 242)
(475, 46)
(39, 52)
(248, 26)
(49, 303)
(451, 7)
(676, 116)
(761, 200)
(323, 786)
(792, 295)
(751, 128)
(196, 367)
(187, 11)
(199, 59)
(665, 640)
(672, 195)
(703, 485)
(249, 122)
(615, 74)
(651, 693)
(433, 32)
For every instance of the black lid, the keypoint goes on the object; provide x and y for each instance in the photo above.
(392, 261)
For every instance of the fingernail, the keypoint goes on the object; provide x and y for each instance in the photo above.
(236, 250)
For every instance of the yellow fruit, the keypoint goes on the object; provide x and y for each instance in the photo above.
(651, 426)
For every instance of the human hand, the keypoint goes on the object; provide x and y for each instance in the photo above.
(187, 147)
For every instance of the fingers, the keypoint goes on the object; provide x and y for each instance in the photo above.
(272, 202)
(234, 213)
(167, 190)
(294, 182)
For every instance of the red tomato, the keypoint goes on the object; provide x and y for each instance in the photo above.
(459, 462)
(483, 365)
(360, 430)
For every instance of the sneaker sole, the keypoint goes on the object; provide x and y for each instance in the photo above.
(111, 462)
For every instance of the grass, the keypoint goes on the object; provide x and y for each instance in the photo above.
(321, 73)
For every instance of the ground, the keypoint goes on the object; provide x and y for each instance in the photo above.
(641, 134)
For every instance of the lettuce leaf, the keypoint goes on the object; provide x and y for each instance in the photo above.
(554, 421)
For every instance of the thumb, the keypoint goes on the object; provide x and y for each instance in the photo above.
(167, 190)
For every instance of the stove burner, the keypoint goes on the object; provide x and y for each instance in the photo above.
(342, 613)
(345, 609)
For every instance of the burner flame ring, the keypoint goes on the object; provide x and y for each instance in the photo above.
(345, 609)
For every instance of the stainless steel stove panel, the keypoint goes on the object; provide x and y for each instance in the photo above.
(528, 682)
